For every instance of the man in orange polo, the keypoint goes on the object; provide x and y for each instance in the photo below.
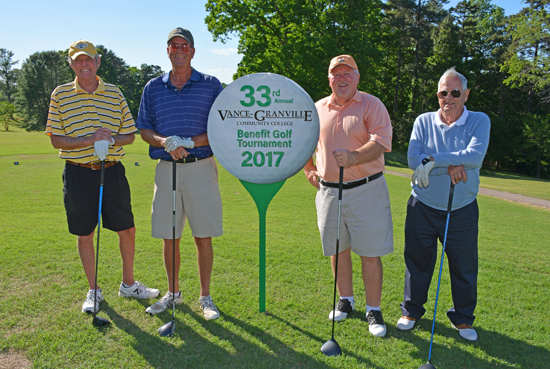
(89, 121)
(355, 132)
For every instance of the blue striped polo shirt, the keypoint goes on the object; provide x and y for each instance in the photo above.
(184, 113)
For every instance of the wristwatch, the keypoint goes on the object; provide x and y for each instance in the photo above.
(425, 161)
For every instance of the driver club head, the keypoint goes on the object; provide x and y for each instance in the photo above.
(428, 365)
(331, 348)
(100, 322)
(167, 329)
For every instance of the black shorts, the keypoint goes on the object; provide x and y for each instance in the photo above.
(81, 198)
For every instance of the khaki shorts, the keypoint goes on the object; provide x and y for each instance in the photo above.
(365, 222)
(197, 199)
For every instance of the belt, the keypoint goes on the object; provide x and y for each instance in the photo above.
(191, 159)
(348, 185)
(93, 166)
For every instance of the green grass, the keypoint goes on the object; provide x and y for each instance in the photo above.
(500, 181)
(42, 284)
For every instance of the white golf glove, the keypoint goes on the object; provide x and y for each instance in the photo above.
(173, 142)
(422, 174)
(101, 148)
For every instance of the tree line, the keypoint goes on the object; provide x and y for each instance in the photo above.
(401, 47)
(28, 89)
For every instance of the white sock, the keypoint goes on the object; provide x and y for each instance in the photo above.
(178, 294)
(369, 308)
(126, 286)
(349, 298)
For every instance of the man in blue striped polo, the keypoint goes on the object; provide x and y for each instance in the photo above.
(173, 117)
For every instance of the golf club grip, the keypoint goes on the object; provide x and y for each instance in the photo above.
(102, 179)
(341, 183)
(451, 193)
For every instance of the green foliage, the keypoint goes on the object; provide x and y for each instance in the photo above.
(8, 76)
(40, 74)
(297, 39)
(537, 133)
(6, 113)
(528, 62)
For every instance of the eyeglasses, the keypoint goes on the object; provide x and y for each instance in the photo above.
(183, 47)
(456, 93)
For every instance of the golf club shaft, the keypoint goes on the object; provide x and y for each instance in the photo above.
(102, 177)
(174, 166)
(340, 190)
(449, 207)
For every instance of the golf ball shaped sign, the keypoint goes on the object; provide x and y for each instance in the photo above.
(263, 128)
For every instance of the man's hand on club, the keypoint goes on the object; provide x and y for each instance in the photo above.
(101, 149)
(173, 142)
(457, 173)
(344, 158)
(422, 173)
(102, 140)
(178, 153)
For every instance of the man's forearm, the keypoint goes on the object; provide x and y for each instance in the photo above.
(372, 150)
(70, 143)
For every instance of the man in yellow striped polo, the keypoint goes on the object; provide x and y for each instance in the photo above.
(89, 121)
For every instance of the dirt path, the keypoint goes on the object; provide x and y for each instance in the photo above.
(500, 194)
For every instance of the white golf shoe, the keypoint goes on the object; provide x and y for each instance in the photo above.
(208, 308)
(405, 323)
(163, 304)
(138, 290)
(88, 305)
(466, 331)
(376, 323)
(343, 309)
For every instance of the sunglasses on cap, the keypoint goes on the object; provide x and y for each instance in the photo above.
(175, 47)
(456, 93)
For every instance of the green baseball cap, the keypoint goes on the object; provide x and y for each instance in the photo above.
(183, 33)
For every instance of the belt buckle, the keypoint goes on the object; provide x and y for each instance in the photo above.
(96, 163)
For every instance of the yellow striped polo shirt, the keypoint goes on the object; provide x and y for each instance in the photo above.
(77, 113)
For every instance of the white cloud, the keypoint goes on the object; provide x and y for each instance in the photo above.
(227, 51)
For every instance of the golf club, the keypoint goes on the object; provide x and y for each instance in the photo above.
(169, 328)
(99, 321)
(429, 364)
(331, 347)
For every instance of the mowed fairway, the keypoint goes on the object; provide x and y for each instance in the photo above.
(42, 283)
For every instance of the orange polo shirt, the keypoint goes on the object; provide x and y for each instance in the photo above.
(364, 118)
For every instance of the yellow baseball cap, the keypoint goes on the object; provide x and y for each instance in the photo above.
(82, 47)
(342, 59)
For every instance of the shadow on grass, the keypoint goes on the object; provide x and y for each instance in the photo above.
(322, 340)
(501, 351)
(187, 348)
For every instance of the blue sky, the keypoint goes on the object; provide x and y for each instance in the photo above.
(135, 30)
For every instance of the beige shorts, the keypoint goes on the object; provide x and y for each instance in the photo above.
(365, 222)
(197, 198)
